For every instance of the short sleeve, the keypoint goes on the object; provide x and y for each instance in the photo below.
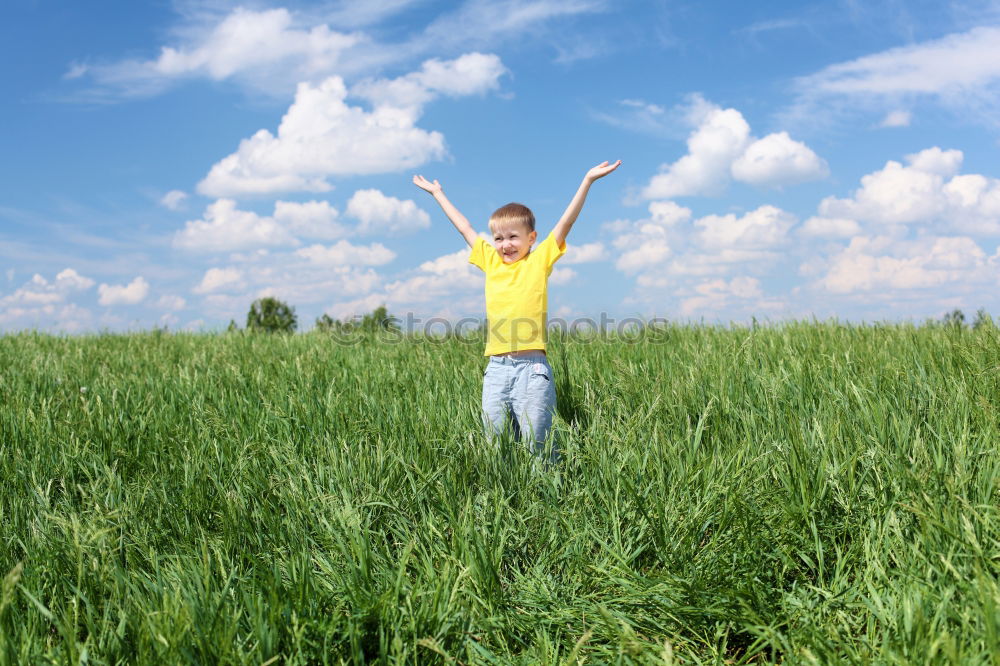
(477, 255)
(549, 251)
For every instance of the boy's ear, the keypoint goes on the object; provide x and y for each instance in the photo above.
(532, 236)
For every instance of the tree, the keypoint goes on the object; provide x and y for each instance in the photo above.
(982, 320)
(270, 315)
(326, 323)
(954, 318)
(379, 320)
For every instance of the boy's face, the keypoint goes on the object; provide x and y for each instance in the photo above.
(512, 241)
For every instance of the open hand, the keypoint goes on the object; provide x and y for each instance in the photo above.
(602, 170)
(427, 185)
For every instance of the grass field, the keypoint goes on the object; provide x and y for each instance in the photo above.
(803, 493)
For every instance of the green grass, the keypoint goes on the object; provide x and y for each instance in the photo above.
(805, 493)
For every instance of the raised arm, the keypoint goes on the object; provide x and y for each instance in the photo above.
(565, 223)
(456, 217)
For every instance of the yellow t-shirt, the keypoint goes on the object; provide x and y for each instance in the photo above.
(516, 295)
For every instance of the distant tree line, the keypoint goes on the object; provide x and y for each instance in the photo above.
(270, 315)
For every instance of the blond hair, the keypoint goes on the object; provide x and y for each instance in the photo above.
(512, 213)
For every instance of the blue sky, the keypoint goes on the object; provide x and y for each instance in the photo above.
(168, 162)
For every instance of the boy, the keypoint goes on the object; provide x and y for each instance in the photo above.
(518, 378)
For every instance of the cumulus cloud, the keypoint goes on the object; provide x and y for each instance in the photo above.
(721, 149)
(646, 243)
(582, 254)
(322, 136)
(650, 254)
(448, 264)
(714, 295)
(778, 160)
(880, 264)
(128, 294)
(438, 285)
(927, 190)
(379, 213)
(171, 302)
(174, 199)
(762, 228)
(469, 74)
(719, 139)
(69, 279)
(216, 279)
(39, 291)
(829, 227)
(312, 219)
(66, 317)
(562, 276)
(344, 253)
(224, 227)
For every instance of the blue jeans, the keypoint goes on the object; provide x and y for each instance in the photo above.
(519, 394)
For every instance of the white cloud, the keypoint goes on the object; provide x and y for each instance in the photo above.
(312, 219)
(956, 62)
(714, 295)
(721, 148)
(129, 294)
(582, 254)
(174, 199)
(469, 74)
(380, 213)
(264, 49)
(719, 139)
(39, 292)
(271, 50)
(322, 136)
(649, 254)
(927, 190)
(344, 253)
(897, 118)
(762, 228)
(562, 276)
(829, 227)
(778, 160)
(216, 279)
(666, 249)
(961, 70)
(879, 265)
(668, 213)
(646, 243)
(444, 282)
(70, 279)
(448, 264)
(68, 318)
(171, 302)
(225, 227)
